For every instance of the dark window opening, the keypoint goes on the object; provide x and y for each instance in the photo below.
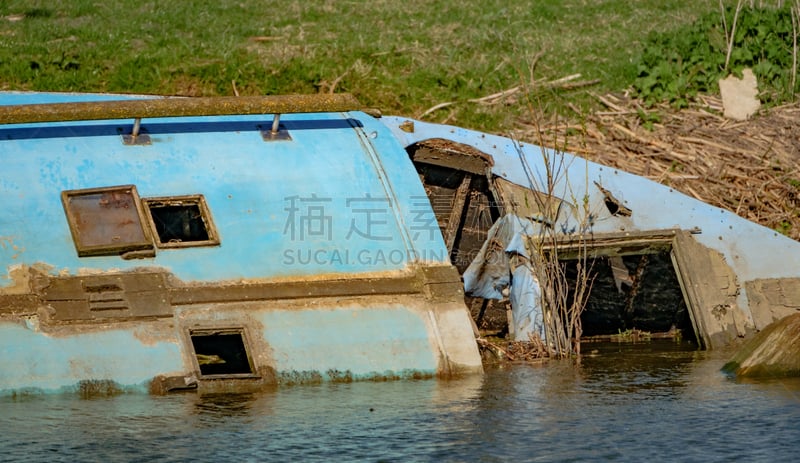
(181, 221)
(635, 292)
(106, 221)
(221, 353)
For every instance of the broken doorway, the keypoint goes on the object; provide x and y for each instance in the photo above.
(456, 181)
(634, 293)
(636, 286)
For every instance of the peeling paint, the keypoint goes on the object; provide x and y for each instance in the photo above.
(22, 278)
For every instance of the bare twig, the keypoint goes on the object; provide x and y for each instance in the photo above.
(724, 21)
(607, 102)
(563, 80)
(563, 83)
(398, 51)
(583, 83)
(435, 108)
(490, 99)
(339, 79)
(497, 350)
(732, 37)
(532, 65)
(795, 13)
(265, 38)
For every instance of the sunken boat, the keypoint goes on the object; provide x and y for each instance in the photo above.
(239, 243)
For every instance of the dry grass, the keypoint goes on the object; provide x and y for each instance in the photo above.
(751, 168)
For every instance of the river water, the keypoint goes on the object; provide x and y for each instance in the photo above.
(654, 401)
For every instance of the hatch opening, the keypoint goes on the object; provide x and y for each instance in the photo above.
(221, 353)
(181, 221)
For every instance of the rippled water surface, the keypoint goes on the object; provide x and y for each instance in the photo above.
(643, 402)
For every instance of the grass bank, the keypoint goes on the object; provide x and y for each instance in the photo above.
(403, 57)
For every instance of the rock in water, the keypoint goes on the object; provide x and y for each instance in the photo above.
(774, 352)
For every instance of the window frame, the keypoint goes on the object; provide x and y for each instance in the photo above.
(79, 235)
(205, 216)
(217, 331)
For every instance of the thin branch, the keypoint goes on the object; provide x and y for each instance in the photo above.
(436, 108)
(732, 37)
(795, 13)
(494, 96)
(724, 21)
(339, 79)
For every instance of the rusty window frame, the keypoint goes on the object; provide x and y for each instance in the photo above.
(117, 230)
(221, 331)
(174, 201)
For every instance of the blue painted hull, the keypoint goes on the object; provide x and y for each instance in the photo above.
(303, 235)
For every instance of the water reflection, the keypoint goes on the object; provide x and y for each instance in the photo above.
(225, 405)
(653, 401)
(652, 369)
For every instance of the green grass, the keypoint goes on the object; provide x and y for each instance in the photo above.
(675, 67)
(400, 56)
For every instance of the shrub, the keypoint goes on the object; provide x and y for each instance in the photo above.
(675, 66)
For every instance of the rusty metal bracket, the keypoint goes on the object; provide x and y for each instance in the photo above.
(136, 137)
(276, 131)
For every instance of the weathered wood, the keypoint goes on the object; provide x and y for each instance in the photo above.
(529, 203)
(609, 244)
(454, 221)
(457, 156)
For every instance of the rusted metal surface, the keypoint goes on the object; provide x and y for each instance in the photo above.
(178, 107)
(122, 203)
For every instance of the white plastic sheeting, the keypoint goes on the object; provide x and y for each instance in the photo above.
(504, 263)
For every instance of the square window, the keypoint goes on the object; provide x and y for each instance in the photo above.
(181, 221)
(106, 221)
(221, 352)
